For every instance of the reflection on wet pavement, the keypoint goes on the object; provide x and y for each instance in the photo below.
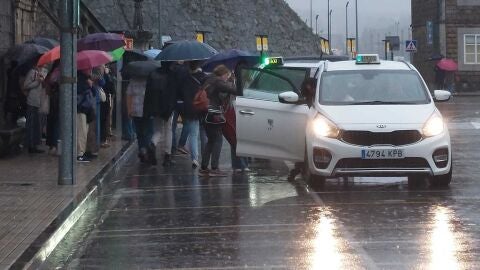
(155, 218)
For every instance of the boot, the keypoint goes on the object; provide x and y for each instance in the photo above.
(167, 160)
(152, 156)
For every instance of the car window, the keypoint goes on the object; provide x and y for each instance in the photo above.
(265, 86)
(372, 86)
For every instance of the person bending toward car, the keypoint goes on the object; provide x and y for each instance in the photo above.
(218, 88)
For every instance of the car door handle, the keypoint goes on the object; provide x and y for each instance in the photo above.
(247, 112)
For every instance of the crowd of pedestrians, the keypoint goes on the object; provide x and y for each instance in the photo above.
(35, 93)
(154, 103)
(157, 102)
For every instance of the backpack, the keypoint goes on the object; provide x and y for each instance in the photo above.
(201, 101)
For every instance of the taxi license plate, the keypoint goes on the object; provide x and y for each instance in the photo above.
(383, 154)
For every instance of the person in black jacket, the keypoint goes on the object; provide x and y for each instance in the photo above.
(218, 90)
(190, 82)
(160, 99)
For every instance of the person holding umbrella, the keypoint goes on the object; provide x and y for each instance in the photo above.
(33, 86)
(160, 100)
(143, 123)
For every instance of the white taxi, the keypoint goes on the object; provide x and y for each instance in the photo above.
(368, 118)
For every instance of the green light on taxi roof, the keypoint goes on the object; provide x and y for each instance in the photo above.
(266, 61)
(359, 58)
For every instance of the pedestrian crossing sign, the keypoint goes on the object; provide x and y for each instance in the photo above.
(411, 46)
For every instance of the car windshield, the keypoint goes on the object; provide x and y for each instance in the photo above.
(372, 87)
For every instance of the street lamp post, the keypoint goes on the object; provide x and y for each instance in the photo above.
(316, 25)
(328, 20)
(346, 27)
(330, 27)
(311, 14)
(356, 26)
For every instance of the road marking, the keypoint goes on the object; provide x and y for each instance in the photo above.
(476, 125)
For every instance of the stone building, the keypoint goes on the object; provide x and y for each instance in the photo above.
(450, 28)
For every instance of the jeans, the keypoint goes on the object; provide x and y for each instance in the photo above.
(144, 130)
(183, 135)
(238, 162)
(32, 127)
(213, 147)
(192, 128)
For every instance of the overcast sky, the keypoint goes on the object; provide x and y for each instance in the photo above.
(378, 14)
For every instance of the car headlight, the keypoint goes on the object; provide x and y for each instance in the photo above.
(434, 125)
(322, 127)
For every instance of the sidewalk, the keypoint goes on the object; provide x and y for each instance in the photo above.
(31, 202)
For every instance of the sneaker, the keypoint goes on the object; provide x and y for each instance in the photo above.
(237, 170)
(105, 145)
(203, 172)
(167, 161)
(83, 159)
(246, 169)
(217, 173)
(91, 155)
(195, 164)
(182, 150)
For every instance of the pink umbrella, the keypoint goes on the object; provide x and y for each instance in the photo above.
(92, 58)
(447, 65)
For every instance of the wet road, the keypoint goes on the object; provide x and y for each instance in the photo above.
(152, 218)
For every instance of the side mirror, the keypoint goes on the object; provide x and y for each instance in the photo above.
(289, 97)
(441, 95)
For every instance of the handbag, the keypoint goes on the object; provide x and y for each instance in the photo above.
(215, 116)
(102, 95)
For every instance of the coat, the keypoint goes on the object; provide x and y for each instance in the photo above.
(160, 95)
(189, 85)
(219, 91)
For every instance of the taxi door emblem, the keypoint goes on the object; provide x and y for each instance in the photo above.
(381, 126)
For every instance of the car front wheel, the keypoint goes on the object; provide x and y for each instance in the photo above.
(313, 180)
(441, 180)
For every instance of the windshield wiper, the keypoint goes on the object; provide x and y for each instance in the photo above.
(379, 102)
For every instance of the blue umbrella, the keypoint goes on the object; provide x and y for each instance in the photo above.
(186, 50)
(152, 53)
(231, 58)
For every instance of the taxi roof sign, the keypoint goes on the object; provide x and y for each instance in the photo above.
(367, 59)
(273, 61)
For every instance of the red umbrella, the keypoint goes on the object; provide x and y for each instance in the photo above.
(50, 56)
(92, 58)
(447, 65)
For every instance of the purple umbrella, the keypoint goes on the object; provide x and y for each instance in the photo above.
(231, 58)
(101, 41)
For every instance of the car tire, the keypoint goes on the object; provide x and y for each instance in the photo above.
(415, 180)
(441, 180)
(313, 180)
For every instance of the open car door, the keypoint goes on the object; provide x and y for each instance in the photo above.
(271, 115)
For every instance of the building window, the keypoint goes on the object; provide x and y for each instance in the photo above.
(472, 49)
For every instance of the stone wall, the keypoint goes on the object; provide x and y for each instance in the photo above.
(7, 40)
(232, 24)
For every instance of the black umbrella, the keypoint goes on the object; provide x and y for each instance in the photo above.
(186, 50)
(140, 68)
(45, 42)
(131, 55)
(25, 53)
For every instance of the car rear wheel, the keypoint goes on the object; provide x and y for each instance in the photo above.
(441, 180)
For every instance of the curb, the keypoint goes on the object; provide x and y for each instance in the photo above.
(37, 252)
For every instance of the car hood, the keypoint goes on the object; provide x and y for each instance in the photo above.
(378, 114)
